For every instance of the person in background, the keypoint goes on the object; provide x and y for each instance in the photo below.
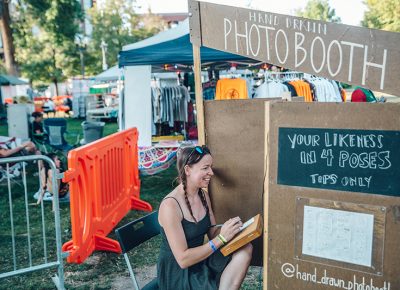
(185, 216)
(8, 149)
(25, 148)
(49, 106)
(68, 103)
(37, 125)
(46, 175)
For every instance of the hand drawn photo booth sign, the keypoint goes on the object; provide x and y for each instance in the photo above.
(354, 55)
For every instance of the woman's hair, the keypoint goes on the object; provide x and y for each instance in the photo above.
(189, 156)
(46, 165)
(37, 114)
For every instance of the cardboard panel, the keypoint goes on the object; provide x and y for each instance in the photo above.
(235, 136)
(316, 216)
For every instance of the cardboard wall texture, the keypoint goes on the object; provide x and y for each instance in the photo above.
(235, 136)
(343, 237)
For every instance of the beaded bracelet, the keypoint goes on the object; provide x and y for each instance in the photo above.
(212, 245)
(222, 239)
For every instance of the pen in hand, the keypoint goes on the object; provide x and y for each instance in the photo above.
(217, 225)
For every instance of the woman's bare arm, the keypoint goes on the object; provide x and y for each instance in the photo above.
(170, 218)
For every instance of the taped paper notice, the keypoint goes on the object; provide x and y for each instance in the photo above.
(338, 235)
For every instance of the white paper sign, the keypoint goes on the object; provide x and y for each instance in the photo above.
(246, 224)
(338, 235)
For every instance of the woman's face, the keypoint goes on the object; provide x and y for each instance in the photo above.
(199, 174)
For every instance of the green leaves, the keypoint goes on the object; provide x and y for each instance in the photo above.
(319, 10)
(49, 40)
(117, 23)
(382, 14)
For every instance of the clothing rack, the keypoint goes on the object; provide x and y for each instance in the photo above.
(281, 75)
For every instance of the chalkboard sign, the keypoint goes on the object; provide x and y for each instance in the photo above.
(340, 159)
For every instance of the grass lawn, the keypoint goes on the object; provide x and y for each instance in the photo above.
(103, 270)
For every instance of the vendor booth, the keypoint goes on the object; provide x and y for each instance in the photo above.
(325, 176)
(139, 60)
(143, 62)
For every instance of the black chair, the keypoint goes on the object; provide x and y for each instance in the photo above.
(135, 233)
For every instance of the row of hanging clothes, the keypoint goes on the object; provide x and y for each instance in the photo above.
(170, 108)
(313, 89)
(274, 85)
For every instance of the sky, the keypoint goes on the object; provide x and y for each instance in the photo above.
(350, 11)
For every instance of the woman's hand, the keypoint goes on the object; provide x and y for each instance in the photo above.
(230, 228)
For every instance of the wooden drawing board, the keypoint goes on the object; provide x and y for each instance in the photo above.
(248, 234)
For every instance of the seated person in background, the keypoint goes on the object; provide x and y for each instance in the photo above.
(38, 134)
(68, 103)
(46, 175)
(37, 126)
(25, 148)
(49, 106)
(185, 216)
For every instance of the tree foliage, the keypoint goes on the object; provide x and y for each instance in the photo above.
(7, 38)
(50, 41)
(319, 10)
(45, 39)
(382, 14)
(117, 23)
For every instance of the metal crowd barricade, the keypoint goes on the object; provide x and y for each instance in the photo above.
(52, 257)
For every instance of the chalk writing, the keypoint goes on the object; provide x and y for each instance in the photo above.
(350, 160)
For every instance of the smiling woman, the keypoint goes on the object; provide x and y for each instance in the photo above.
(185, 216)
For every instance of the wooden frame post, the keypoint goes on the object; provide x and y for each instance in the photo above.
(195, 38)
(199, 95)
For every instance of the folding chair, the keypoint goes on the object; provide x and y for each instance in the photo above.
(55, 129)
(13, 169)
(134, 234)
(40, 140)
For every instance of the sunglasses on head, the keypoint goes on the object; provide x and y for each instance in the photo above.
(201, 150)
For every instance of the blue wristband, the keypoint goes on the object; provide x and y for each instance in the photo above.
(212, 245)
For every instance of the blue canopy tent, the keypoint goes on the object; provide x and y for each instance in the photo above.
(138, 60)
(174, 51)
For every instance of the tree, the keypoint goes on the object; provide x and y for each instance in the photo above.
(382, 14)
(6, 34)
(117, 24)
(45, 38)
(319, 10)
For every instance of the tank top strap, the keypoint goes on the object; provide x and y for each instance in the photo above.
(177, 203)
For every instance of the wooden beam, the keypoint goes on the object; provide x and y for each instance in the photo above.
(199, 95)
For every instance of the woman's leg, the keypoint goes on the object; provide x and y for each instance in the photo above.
(236, 270)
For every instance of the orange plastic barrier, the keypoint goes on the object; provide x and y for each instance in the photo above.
(104, 185)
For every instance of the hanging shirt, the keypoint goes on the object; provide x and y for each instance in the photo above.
(271, 89)
(368, 93)
(209, 90)
(228, 89)
(156, 104)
